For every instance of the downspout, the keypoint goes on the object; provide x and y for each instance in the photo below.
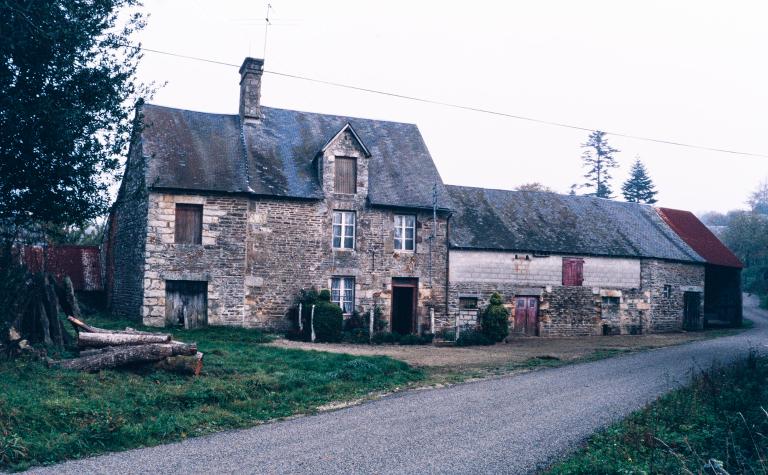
(447, 259)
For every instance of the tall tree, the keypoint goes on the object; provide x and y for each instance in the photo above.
(68, 89)
(758, 199)
(639, 187)
(598, 159)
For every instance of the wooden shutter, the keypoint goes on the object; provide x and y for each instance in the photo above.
(346, 175)
(189, 224)
(573, 271)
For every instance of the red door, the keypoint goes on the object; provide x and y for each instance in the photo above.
(527, 315)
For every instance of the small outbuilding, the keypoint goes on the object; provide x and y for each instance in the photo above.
(722, 271)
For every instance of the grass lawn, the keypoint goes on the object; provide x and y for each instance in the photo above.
(717, 423)
(48, 416)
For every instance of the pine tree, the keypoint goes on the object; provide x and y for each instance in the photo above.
(639, 187)
(598, 158)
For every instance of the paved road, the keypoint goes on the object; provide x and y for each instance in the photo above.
(508, 425)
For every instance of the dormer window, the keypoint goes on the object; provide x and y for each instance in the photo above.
(346, 175)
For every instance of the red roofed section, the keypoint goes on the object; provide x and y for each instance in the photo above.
(697, 235)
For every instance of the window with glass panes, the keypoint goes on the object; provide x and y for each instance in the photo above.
(343, 293)
(405, 232)
(343, 229)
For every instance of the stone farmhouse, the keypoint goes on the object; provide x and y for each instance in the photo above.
(224, 219)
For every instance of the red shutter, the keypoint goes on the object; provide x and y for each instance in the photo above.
(573, 271)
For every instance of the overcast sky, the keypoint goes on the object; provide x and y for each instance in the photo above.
(687, 71)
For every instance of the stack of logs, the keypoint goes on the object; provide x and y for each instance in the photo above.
(102, 349)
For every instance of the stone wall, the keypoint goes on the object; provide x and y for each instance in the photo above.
(125, 239)
(219, 260)
(257, 254)
(574, 311)
(667, 311)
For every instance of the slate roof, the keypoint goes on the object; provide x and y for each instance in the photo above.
(199, 151)
(699, 237)
(529, 221)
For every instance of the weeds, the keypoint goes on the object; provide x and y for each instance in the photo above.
(716, 425)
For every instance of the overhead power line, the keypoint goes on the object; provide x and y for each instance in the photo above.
(463, 107)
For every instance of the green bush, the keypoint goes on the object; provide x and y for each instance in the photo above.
(425, 339)
(473, 338)
(328, 319)
(494, 323)
(386, 337)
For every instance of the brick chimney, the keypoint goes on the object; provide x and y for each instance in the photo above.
(250, 89)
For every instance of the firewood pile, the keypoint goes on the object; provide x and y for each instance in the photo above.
(101, 349)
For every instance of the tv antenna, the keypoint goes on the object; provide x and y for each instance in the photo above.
(266, 30)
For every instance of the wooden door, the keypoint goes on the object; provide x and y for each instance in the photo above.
(186, 303)
(527, 315)
(691, 310)
(404, 305)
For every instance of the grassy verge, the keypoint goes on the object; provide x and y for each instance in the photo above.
(47, 416)
(717, 423)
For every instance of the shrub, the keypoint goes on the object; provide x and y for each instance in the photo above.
(495, 320)
(328, 319)
(473, 338)
(424, 339)
(386, 337)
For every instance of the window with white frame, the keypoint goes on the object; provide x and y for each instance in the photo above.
(405, 232)
(343, 229)
(343, 293)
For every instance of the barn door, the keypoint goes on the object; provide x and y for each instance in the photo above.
(186, 303)
(691, 310)
(527, 315)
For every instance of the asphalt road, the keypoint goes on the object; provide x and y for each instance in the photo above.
(508, 425)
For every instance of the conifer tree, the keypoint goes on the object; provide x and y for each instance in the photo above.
(639, 187)
(598, 159)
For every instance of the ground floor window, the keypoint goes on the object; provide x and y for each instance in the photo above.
(343, 293)
(468, 303)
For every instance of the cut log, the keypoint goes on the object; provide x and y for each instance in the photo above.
(100, 340)
(125, 355)
(191, 365)
(81, 326)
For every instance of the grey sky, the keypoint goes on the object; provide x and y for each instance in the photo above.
(688, 71)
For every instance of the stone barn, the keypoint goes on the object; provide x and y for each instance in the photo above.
(571, 265)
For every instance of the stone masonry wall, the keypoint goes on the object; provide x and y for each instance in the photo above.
(575, 311)
(219, 260)
(667, 312)
(290, 248)
(258, 253)
(125, 240)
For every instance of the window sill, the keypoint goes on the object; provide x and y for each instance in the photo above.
(343, 250)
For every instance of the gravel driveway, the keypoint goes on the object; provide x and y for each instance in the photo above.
(510, 425)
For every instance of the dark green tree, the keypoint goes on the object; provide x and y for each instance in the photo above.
(598, 160)
(67, 93)
(639, 187)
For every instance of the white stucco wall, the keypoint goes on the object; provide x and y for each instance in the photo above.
(525, 269)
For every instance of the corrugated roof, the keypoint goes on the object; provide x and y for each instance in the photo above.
(273, 157)
(699, 237)
(563, 224)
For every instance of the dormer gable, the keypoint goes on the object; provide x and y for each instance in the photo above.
(343, 164)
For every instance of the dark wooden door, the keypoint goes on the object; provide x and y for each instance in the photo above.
(186, 303)
(691, 310)
(404, 304)
(527, 315)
